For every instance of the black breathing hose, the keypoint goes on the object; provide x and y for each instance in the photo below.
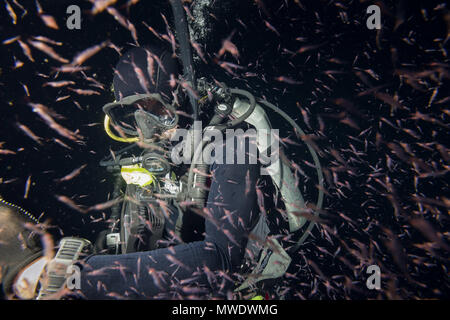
(182, 33)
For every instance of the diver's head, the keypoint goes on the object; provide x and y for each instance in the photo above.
(146, 91)
(144, 70)
(19, 245)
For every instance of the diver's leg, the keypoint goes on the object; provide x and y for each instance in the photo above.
(167, 273)
(232, 205)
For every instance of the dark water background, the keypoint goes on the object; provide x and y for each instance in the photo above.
(368, 221)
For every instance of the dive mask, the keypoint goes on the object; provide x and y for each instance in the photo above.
(147, 113)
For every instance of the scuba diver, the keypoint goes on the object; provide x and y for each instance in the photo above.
(181, 229)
